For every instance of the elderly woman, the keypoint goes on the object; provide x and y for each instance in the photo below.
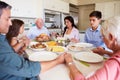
(111, 68)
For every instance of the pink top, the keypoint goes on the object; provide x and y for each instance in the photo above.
(74, 34)
(110, 70)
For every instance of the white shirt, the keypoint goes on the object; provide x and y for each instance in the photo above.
(74, 34)
(34, 32)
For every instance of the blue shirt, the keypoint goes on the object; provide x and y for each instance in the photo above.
(94, 37)
(34, 32)
(13, 66)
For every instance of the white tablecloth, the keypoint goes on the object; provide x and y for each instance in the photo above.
(61, 72)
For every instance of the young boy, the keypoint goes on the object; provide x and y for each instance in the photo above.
(93, 34)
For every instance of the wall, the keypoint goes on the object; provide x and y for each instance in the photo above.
(33, 8)
(40, 8)
(84, 11)
(83, 2)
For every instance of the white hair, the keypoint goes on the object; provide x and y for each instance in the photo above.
(112, 26)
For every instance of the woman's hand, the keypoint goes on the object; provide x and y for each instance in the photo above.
(25, 40)
(99, 50)
(74, 40)
(61, 58)
(68, 58)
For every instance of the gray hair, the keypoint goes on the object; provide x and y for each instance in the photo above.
(4, 5)
(112, 25)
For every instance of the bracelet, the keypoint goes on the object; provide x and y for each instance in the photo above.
(70, 63)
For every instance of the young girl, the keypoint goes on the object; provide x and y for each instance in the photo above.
(18, 44)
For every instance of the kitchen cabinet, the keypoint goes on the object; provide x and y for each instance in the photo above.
(75, 2)
(52, 19)
(56, 5)
(108, 9)
(117, 8)
(63, 7)
(25, 8)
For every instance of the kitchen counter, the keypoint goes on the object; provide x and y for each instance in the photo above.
(82, 31)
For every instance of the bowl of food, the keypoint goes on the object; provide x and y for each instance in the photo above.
(42, 38)
(51, 43)
(62, 41)
(57, 49)
(37, 46)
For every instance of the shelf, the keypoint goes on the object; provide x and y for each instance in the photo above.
(49, 21)
(53, 28)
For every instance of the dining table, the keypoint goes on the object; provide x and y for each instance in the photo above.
(61, 71)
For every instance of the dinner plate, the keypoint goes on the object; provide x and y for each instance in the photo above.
(85, 45)
(42, 56)
(36, 49)
(88, 57)
(80, 46)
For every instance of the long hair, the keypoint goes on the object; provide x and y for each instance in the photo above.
(70, 18)
(14, 29)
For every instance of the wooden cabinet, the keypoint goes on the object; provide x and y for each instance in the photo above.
(56, 5)
(25, 8)
(108, 9)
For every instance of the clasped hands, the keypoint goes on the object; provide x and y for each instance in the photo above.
(64, 58)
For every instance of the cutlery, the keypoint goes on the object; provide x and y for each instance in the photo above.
(83, 62)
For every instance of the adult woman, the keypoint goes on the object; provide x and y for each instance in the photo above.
(111, 69)
(18, 44)
(70, 31)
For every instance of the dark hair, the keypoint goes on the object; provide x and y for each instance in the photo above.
(14, 29)
(70, 18)
(4, 5)
(96, 14)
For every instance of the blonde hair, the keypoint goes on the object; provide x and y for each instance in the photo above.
(112, 26)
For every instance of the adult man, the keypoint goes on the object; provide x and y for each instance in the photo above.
(13, 66)
(37, 30)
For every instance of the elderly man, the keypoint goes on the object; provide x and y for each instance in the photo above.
(13, 66)
(37, 30)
